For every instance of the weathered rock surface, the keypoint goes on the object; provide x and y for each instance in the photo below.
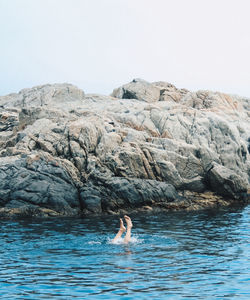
(148, 145)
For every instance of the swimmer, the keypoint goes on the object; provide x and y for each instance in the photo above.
(123, 229)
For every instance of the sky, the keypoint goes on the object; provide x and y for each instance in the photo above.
(99, 45)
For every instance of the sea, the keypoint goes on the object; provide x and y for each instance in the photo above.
(172, 255)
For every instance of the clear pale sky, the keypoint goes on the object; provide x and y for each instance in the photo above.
(100, 44)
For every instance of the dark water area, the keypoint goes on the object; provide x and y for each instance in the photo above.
(194, 255)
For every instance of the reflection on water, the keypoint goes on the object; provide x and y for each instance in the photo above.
(172, 255)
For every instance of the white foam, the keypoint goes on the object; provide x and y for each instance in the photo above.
(116, 242)
(134, 240)
(94, 243)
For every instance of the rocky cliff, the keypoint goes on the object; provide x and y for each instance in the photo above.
(147, 146)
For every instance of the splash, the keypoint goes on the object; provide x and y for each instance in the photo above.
(120, 241)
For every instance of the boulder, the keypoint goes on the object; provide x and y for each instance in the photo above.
(138, 89)
(226, 183)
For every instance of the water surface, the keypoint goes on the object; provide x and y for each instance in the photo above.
(202, 255)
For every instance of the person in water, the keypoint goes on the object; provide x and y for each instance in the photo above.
(123, 229)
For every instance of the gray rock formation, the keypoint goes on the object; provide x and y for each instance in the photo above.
(147, 145)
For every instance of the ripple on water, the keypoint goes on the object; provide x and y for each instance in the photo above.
(174, 255)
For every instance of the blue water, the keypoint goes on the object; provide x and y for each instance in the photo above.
(202, 255)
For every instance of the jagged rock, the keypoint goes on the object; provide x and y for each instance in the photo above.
(147, 145)
(44, 95)
(37, 181)
(168, 92)
(116, 192)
